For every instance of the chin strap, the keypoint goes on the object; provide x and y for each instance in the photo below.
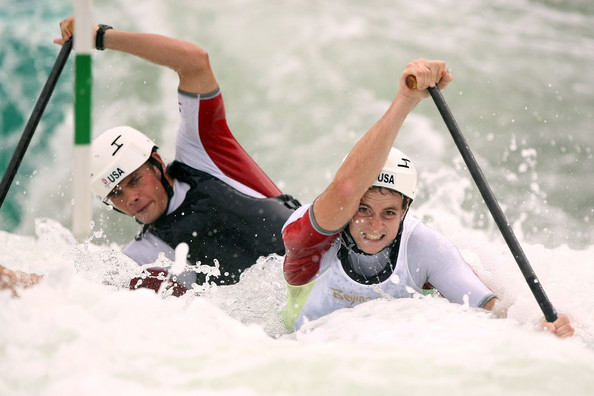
(168, 188)
(349, 251)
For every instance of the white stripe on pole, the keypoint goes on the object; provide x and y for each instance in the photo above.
(82, 211)
(83, 33)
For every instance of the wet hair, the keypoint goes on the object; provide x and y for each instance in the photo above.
(406, 201)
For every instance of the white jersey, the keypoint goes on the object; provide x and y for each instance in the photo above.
(424, 256)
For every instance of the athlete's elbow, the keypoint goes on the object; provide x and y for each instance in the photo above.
(192, 60)
(201, 58)
(198, 59)
(344, 187)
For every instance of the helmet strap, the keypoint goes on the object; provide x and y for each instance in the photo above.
(351, 255)
(112, 206)
(168, 188)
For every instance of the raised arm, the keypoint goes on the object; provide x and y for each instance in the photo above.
(339, 202)
(188, 60)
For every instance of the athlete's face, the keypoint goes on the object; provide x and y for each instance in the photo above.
(141, 194)
(377, 220)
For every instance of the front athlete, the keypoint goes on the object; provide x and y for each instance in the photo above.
(356, 242)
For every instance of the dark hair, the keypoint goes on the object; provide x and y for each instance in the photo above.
(406, 201)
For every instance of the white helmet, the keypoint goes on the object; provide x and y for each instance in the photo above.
(398, 174)
(115, 154)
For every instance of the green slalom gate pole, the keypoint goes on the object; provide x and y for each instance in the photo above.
(83, 83)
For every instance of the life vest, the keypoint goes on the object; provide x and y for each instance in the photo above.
(223, 227)
(338, 286)
(334, 289)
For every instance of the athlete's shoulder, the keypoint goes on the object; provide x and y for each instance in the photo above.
(298, 214)
(411, 222)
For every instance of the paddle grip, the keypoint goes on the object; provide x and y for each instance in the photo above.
(411, 82)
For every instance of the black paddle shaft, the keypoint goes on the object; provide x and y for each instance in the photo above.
(547, 308)
(38, 110)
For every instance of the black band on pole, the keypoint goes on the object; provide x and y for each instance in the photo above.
(38, 110)
(535, 286)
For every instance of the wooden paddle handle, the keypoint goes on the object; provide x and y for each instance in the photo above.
(411, 82)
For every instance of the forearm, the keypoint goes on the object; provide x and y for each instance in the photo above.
(188, 60)
(334, 208)
(340, 200)
(367, 157)
(176, 54)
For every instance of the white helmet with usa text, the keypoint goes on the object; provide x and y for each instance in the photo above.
(114, 155)
(398, 174)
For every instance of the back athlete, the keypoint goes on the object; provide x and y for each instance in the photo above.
(213, 196)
